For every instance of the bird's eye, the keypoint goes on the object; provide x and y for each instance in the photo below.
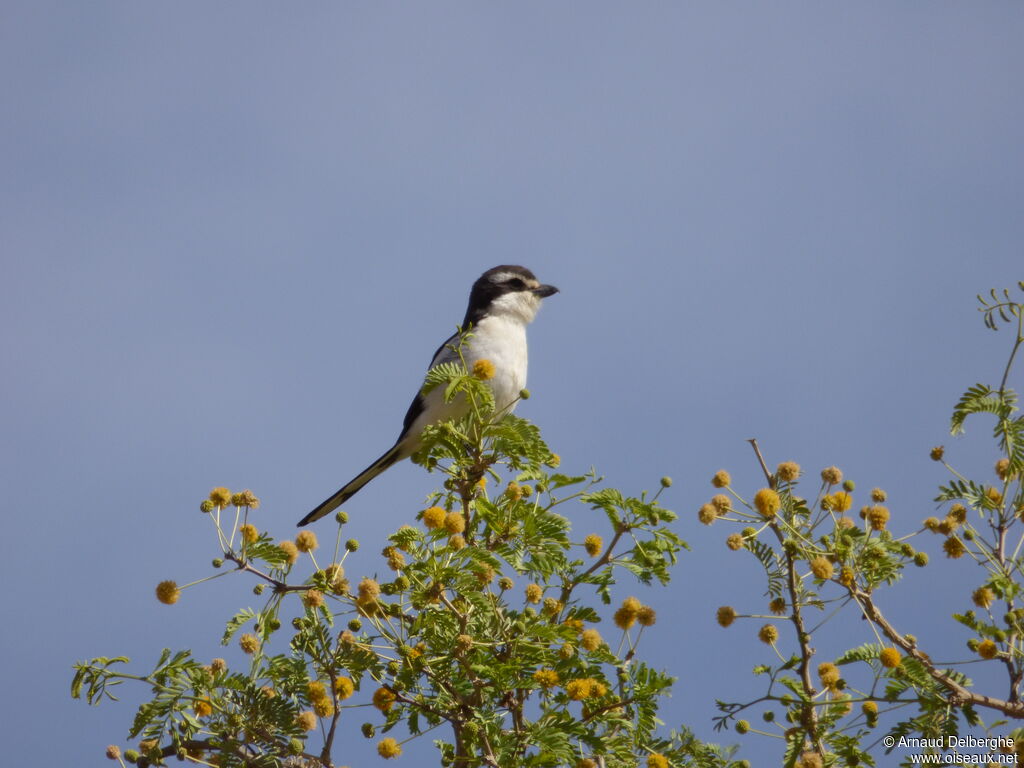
(516, 283)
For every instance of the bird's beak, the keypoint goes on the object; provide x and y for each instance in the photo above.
(544, 291)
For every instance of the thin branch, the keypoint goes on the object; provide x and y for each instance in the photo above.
(279, 586)
(958, 694)
(764, 467)
(602, 561)
(1016, 346)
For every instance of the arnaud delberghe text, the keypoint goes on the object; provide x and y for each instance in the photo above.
(956, 742)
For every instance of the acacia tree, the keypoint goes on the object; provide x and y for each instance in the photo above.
(484, 634)
(823, 564)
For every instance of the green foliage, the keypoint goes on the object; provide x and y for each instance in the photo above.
(97, 678)
(817, 558)
(1008, 431)
(980, 399)
(1004, 308)
(773, 566)
(485, 630)
(484, 636)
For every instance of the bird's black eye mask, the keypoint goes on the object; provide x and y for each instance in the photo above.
(493, 284)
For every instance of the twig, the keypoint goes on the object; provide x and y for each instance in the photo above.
(958, 694)
(279, 586)
(602, 561)
(764, 467)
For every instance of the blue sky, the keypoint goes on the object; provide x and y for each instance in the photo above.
(233, 234)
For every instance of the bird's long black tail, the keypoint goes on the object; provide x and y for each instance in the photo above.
(350, 489)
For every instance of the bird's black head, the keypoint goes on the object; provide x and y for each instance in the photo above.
(506, 290)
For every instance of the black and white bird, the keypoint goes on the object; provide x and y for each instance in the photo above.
(502, 302)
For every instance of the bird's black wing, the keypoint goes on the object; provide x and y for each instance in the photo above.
(415, 409)
(443, 354)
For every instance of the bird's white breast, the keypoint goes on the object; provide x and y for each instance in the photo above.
(502, 340)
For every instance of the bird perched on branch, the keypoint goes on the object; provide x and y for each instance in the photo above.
(502, 302)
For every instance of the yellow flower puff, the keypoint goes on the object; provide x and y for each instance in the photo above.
(983, 597)
(343, 687)
(590, 639)
(388, 748)
(575, 624)
(483, 369)
(987, 649)
(313, 598)
(316, 690)
(220, 496)
(625, 616)
(248, 499)
(832, 475)
(707, 514)
(383, 699)
(369, 589)
(840, 501)
(291, 552)
(578, 689)
(768, 634)
(767, 503)
(847, 576)
(454, 522)
(546, 678)
(822, 567)
(954, 548)
(828, 673)
(877, 516)
(167, 592)
(632, 605)
(323, 707)
(788, 471)
(890, 658)
(433, 517)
